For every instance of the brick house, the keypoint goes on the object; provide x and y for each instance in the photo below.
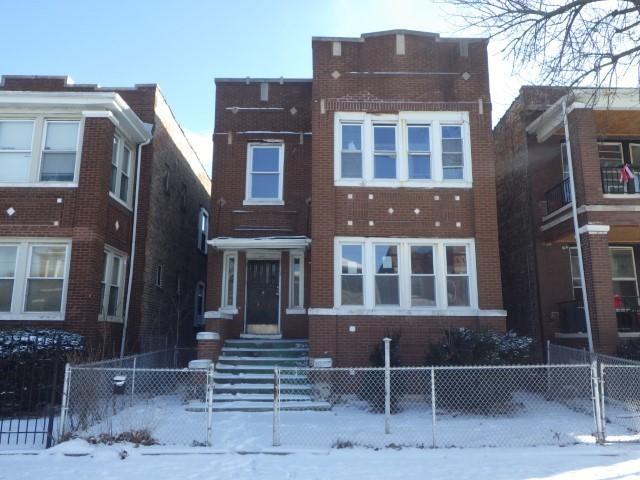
(102, 200)
(542, 284)
(359, 202)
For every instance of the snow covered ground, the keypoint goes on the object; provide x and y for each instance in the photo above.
(78, 460)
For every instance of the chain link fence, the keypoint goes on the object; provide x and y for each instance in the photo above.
(560, 354)
(485, 406)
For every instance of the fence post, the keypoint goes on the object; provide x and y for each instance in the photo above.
(65, 400)
(433, 406)
(601, 397)
(209, 398)
(597, 411)
(133, 378)
(387, 385)
(276, 407)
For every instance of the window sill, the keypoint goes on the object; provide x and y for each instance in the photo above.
(120, 201)
(229, 310)
(110, 319)
(570, 335)
(33, 317)
(38, 185)
(427, 184)
(621, 196)
(409, 312)
(262, 202)
(296, 311)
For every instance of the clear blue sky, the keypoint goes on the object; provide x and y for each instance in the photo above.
(184, 44)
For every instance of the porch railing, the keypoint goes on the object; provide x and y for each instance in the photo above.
(558, 196)
(611, 181)
(628, 314)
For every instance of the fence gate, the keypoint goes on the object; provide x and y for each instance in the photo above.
(620, 394)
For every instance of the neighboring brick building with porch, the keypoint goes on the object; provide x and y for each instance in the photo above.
(359, 202)
(542, 286)
(84, 171)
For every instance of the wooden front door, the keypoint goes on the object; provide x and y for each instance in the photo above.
(263, 283)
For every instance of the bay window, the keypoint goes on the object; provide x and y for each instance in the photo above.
(33, 278)
(38, 150)
(418, 274)
(412, 149)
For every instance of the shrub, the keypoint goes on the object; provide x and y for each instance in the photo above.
(371, 386)
(43, 343)
(487, 391)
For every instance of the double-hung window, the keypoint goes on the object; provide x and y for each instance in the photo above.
(38, 150)
(229, 280)
(384, 151)
(264, 174)
(203, 229)
(33, 279)
(408, 149)
(623, 274)
(296, 281)
(113, 277)
(408, 274)
(122, 161)
(198, 308)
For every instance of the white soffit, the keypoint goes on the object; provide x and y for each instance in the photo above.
(285, 243)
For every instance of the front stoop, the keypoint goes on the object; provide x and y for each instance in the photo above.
(243, 377)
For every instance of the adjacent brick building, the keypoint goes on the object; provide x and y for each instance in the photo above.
(85, 170)
(359, 202)
(540, 273)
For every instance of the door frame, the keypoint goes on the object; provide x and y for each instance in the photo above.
(275, 255)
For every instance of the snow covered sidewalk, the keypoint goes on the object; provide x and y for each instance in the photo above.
(619, 462)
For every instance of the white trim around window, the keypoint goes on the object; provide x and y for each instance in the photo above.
(121, 181)
(203, 229)
(296, 282)
(113, 285)
(434, 150)
(267, 170)
(229, 282)
(24, 279)
(28, 142)
(449, 262)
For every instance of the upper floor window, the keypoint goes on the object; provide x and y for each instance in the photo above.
(387, 273)
(113, 278)
(203, 230)
(264, 174)
(38, 150)
(198, 308)
(33, 279)
(410, 149)
(120, 184)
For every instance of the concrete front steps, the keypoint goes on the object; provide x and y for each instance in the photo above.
(243, 378)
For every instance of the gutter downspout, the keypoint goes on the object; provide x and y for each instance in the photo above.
(576, 226)
(133, 246)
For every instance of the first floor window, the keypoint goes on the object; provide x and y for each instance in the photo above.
(230, 265)
(405, 273)
(296, 281)
(623, 274)
(45, 279)
(8, 257)
(198, 314)
(264, 172)
(113, 276)
(457, 276)
(387, 286)
(352, 277)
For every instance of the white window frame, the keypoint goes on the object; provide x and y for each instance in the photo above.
(633, 279)
(224, 305)
(434, 120)
(249, 174)
(111, 253)
(23, 265)
(292, 307)
(202, 245)
(198, 318)
(404, 271)
(38, 137)
(115, 194)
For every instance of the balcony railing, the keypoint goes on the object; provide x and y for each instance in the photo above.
(628, 314)
(558, 196)
(572, 317)
(611, 181)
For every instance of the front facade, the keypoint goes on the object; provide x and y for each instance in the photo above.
(360, 202)
(80, 211)
(543, 287)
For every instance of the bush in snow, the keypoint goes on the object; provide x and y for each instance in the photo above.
(487, 391)
(371, 387)
(42, 342)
